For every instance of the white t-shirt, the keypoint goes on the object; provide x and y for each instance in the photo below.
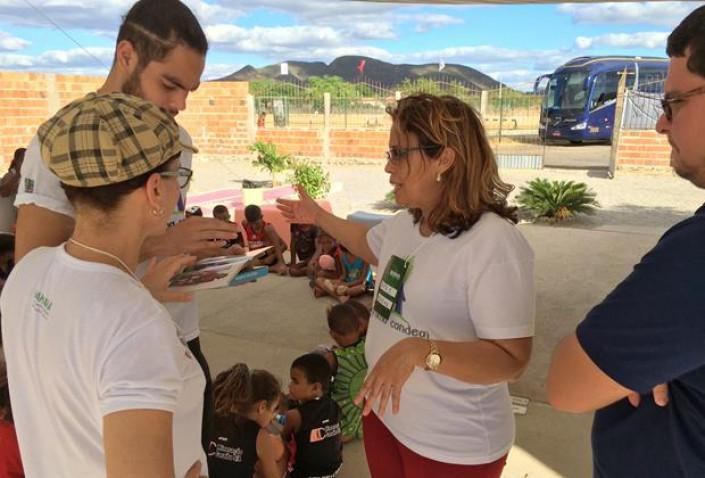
(83, 340)
(39, 186)
(479, 285)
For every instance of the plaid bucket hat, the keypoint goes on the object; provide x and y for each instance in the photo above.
(107, 139)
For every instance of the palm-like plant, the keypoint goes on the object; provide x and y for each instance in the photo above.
(556, 200)
(268, 159)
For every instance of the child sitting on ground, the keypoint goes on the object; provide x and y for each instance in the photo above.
(348, 365)
(303, 248)
(315, 423)
(262, 234)
(325, 262)
(233, 247)
(10, 461)
(355, 278)
(246, 402)
(362, 312)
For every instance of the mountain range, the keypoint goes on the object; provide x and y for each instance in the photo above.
(376, 71)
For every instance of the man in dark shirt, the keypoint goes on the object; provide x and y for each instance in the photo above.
(650, 329)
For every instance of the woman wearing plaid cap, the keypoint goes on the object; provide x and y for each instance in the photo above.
(100, 383)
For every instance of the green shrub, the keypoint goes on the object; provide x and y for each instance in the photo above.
(556, 200)
(314, 179)
(268, 159)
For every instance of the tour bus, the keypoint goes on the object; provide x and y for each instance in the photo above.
(580, 96)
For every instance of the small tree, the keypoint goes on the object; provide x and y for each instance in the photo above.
(312, 177)
(556, 200)
(268, 159)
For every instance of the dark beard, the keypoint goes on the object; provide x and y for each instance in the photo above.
(132, 85)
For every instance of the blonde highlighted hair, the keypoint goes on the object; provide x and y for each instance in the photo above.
(471, 186)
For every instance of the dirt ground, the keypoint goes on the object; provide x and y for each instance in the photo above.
(650, 200)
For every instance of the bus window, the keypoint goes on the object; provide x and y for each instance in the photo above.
(651, 80)
(567, 91)
(604, 89)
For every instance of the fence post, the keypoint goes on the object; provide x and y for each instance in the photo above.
(501, 113)
(617, 124)
(251, 119)
(326, 127)
(483, 104)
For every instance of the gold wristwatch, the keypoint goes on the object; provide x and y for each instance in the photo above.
(433, 358)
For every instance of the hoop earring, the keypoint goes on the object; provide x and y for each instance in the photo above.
(158, 212)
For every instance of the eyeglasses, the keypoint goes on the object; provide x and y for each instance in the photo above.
(183, 175)
(667, 103)
(395, 154)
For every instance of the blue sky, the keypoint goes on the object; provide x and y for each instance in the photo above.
(513, 43)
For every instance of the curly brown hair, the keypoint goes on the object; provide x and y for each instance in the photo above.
(471, 185)
(237, 390)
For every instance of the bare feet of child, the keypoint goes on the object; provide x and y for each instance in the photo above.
(318, 292)
(280, 269)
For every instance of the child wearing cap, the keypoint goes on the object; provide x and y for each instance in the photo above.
(97, 358)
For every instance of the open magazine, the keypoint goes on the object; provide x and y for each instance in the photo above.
(221, 271)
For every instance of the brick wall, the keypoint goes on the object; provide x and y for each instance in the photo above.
(345, 144)
(297, 142)
(216, 117)
(643, 149)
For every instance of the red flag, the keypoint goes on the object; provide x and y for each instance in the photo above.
(361, 66)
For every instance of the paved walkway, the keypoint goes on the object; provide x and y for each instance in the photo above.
(268, 324)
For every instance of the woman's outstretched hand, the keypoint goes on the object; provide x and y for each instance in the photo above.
(389, 375)
(299, 211)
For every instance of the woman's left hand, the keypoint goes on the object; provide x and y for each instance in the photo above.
(389, 375)
(159, 274)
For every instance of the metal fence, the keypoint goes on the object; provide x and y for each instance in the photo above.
(510, 117)
(642, 106)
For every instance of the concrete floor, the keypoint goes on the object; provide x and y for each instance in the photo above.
(271, 322)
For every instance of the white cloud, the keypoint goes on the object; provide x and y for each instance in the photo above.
(11, 43)
(329, 54)
(624, 40)
(218, 70)
(271, 40)
(491, 55)
(372, 31)
(324, 12)
(87, 14)
(427, 22)
(96, 15)
(653, 13)
(92, 58)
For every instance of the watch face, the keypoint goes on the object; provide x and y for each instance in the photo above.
(433, 361)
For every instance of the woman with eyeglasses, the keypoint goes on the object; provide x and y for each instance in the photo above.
(453, 312)
(100, 383)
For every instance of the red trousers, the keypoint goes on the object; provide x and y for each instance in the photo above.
(388, 458)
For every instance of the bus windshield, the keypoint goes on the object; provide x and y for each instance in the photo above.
(567, 91)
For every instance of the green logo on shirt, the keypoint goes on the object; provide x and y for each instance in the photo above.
(41, 304)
